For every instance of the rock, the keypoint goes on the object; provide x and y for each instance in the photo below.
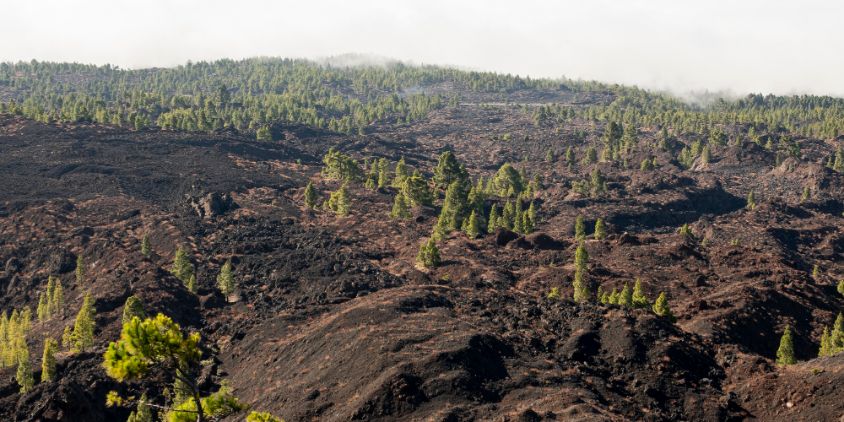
(213, 204)
(543, 241)
(504, 236)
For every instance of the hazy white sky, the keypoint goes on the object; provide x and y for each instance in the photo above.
(739, 45)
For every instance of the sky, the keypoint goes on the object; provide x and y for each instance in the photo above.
(730, 46)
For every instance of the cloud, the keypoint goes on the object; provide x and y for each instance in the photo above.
(719, 45)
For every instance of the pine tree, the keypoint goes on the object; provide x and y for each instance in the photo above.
(67, 337)
(473, 229)
(685, 230)
(182, 267)
(80, 270)
(448, 171)
(57, 299)
(826, 343)
(401, 173)
(751, 201)
(83, 326)
(816, 271)
(24, 375)
(661, 307)
(51, 291)
(453, 209)
(225, 280)
(625, 298)
(401, 208)
(191, 284)
(600, 229)
(310, 195)
(785, 353)
(43, 310)
(429, 254)
(493, 222)
(383, 167)
(263, 134)
(841, 287)
(612, 299)
(143, 413)
(806, 194)
(133, 308)
(579, 228)
(554, 294)
(639, 299)
(48, 361)
(581, 289)
(145, 248)
(339, 201)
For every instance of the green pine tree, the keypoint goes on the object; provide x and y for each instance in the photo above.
(554, 294)
(600, 229)
(473, 229)
(625, 298)
(57, 299)
(48, 361)
(429, 254)
(225, 280)
(751, 201)
(339, 201)
(841, 287)
(43, 310)
(579, 228)
(785, 353)
(182, 267)
(24, 375)
(401, 207)
(310, 196)
(661, 307)
(143, 413)
(67, 337)
(639, 299)
(80, 270)
(826, 343)
(83, 326)
(581, 288)
(493, 221)
(145, 247)
(133, 308)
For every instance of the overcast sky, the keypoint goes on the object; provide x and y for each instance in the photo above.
(737, 45)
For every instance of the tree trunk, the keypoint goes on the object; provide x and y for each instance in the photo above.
(200, 416)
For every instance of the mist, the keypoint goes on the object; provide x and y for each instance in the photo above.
(679, 46)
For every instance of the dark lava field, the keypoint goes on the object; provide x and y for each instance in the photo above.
(333, 318)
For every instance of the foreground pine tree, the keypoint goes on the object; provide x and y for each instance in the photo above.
(159, 344)
(785, 353)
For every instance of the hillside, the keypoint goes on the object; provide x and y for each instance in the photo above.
(334, 318)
